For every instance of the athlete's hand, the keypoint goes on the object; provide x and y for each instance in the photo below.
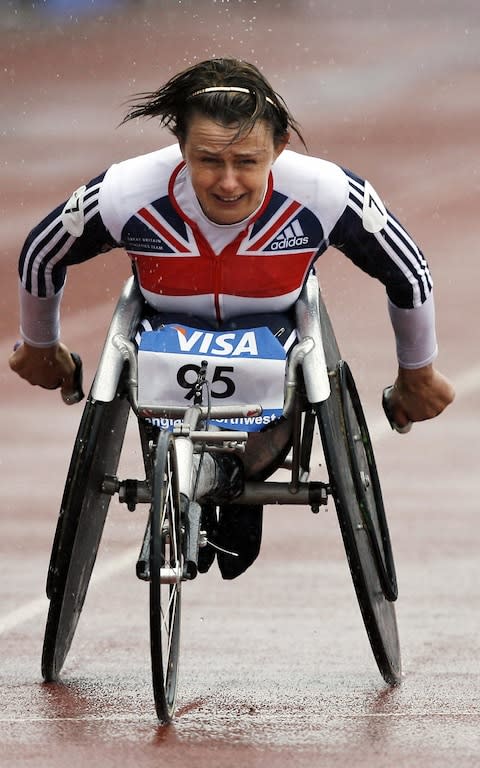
(48, 367)
(419, 394)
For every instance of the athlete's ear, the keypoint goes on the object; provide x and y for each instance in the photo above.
(281, 144)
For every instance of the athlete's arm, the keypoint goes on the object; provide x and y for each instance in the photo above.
(74, 232)
(49, 367)
(376, 242)
(419, 394)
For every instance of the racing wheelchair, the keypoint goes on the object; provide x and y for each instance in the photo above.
(321, 399)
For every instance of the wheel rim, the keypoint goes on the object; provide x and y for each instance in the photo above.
(378, 613)
(165, 585)
(367, 484)
(80, 525)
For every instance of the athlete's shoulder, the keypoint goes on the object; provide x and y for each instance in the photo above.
(135, 182)
(294, 167)
(164, 157)
(319, 184)
(144, 170)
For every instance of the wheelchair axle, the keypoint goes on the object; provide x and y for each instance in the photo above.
(130, 492)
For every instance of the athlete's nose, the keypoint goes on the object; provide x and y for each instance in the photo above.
(228, 183)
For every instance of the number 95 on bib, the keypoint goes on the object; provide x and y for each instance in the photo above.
(243, 366)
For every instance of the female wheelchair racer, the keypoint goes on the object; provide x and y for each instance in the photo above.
(318, 392)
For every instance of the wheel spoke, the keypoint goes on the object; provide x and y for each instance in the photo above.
(169, 628)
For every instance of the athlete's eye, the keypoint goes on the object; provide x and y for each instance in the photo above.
(210, 160)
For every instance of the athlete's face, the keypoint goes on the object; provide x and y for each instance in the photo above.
(229, 178)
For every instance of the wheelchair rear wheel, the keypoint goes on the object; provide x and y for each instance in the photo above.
(166, 572)
(358, 500)
(80, 525)
(366, 480)
(364, 537)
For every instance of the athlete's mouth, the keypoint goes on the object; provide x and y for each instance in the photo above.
(233, 199)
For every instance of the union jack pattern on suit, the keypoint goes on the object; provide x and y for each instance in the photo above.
(309, 205)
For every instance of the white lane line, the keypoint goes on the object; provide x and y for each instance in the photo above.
(465, 385)
(38, 607)
(80, 719)
(26, 612)
(468, 382)
(227, 716)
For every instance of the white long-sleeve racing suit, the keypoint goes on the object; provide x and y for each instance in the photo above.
(186, 263)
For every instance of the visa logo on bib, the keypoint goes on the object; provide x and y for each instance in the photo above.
(248, 342)
(243, 366)
(205, 343)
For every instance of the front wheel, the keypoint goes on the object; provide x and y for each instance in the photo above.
(166, 573)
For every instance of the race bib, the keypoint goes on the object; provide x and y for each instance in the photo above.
(243, 366)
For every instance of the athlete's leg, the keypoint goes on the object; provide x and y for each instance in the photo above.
(239, 532)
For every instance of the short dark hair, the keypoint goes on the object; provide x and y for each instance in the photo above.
(182, 96)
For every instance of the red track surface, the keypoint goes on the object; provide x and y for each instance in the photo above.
(276, 669)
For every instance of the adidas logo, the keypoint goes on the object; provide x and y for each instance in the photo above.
(292, 236)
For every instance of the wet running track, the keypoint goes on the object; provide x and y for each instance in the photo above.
(275, 668)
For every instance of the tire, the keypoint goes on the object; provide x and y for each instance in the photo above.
(165, 598)
(80, 525)
(351, 466)
(366, 480)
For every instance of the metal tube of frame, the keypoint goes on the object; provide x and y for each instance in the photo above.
(184, 452)
(213, 413)
(205, 436)
(314, 366)
(125, 320)
(272, 492)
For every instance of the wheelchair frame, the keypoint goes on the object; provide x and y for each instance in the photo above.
(319, 390)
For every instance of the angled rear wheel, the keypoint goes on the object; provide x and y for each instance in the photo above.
(366, 480)
(363, 526)
(358, 500)
(80, 525)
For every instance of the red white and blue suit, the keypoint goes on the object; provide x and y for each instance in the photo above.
(187, 264)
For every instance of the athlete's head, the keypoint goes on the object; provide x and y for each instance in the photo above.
(231, 127)
(227, 90)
